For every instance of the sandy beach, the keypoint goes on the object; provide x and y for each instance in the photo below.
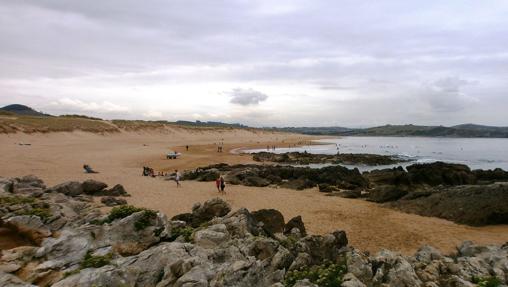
(119, 157)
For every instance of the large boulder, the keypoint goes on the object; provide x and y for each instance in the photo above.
(385, 193)
(241, 224)
(92, 186)
(295, 222)
(321, 248)
(393, 269)
(117, 190)
(440, 173)
(390, 176)
(473, 204)
(70, 188)
(215, 207)
(273, 220)
(212, 236)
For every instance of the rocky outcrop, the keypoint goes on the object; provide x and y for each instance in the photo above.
(473, 205)
(284, 176)
(440, 173)
(303, 158)
(138, 247)
(205, 212)
(273, 220)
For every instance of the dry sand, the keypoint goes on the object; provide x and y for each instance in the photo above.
(58, 157)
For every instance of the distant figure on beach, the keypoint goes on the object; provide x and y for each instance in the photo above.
(88, 169)
(187, 148)
(177, 178)
(217, 183)
(222, 184)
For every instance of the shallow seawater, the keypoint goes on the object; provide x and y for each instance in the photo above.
(477, 153)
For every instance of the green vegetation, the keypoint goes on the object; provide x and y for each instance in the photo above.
(325, 275)
(91, 261)
(120, 212)
(486, 281)
(123, 211)
(36, 208)
(13, 200)
(43, 213)
(186, 232)
(466, 130)
(289, 242)
(145, 220)
(40, 124)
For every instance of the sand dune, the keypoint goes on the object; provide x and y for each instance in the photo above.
(58, 157)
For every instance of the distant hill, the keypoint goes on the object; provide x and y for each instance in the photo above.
(315, 130)
(22, 110)
(465, 130)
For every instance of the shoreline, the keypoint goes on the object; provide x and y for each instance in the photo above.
(119, 158)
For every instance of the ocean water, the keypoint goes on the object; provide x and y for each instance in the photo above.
(477, 153)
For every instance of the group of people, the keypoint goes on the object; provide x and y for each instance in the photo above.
(220, 183)
(148, 171)
(270, 147)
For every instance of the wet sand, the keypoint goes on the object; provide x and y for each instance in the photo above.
(119, 158)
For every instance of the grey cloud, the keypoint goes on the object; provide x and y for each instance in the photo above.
(247, 97)
(445, 95)
(327, 45)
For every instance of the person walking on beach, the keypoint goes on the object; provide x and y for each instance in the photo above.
(217, 183)
(177, 178)
(222, 184)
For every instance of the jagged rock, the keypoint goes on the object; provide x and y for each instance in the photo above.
(440, 173)
(6, 185)
(211, 236)
(117, 190)
(427, 254)
(70, 188)
(228, 250)
(9, 280)
(390, 176)
(263, 248)
(359, 265)
(394, 270)
(215, 207)
(30, 226)
(91, 186)
(295, 222)
(66, 250)
(113, 201)
(273, 220)
(473, 204)
(241, 223)
(28, 184)
(126, 238)
(323, 247)
(349, 280)
(384, 193)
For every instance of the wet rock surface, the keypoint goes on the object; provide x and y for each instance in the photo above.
(302, 158)
(283, 176)
(138, 247)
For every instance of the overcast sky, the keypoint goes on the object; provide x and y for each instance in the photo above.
(261, 63)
